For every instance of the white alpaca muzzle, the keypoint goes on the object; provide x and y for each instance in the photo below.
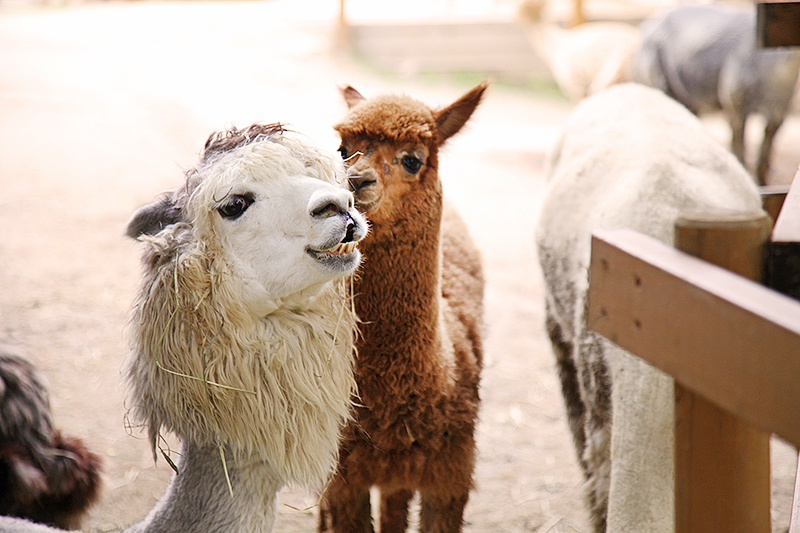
(334, 214)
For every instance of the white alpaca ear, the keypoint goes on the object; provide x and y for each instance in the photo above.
(453, 117)
(352, 97)
(153, 217)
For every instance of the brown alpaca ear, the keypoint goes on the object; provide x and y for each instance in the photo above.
(352, 97)
(453, 117)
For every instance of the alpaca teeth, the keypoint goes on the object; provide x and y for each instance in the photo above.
(343, 248)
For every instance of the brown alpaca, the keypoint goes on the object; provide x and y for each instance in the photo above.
(419, 296)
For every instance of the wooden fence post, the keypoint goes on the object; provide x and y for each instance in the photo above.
(578, 15)
(722, 468)
(342, 28)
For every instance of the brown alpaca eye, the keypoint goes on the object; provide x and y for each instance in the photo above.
(343, 151)
(411, 164)
(235, 206)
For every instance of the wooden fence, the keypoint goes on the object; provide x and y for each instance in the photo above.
(732, 345)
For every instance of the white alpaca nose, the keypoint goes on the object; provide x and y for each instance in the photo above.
(330, 202)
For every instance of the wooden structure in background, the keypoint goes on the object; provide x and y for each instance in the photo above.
(783, 261)
(721, 462)
(732, 345)
(578, 15)
(437, 46)
(496, 47)
(493, 47)
(777, 23)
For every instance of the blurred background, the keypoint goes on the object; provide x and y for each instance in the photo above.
(104, 105)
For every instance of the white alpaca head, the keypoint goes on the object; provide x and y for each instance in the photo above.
(242, 333)
(273, 209)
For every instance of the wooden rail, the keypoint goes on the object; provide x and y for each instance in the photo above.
(722, 463)
(777, 23)
(783, 258)
(727, 338)
(733, 347)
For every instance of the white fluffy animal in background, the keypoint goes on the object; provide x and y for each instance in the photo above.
(584, 59)
(629, 157)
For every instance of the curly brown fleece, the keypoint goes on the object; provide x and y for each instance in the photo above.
(419, 296)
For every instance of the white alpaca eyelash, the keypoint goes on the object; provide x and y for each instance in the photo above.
(355, 154)
(224, 197)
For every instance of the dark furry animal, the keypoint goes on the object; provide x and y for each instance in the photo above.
(419, 296)
(44, 476)
(705, 57)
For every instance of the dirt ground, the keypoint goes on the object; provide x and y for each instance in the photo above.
(102, 106)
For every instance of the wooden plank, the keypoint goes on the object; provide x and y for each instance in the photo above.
(782, 268)
(777, 23)
(787, 225)
(710, 323)
(578, 15)
(722, 467)
(772, 198)
(732, 240)
(492, 47)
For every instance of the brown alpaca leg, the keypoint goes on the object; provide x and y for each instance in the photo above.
(441, 513)
(394, 511)
(344, 509)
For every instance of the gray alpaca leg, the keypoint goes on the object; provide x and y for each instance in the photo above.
(394, 511)
(570, 385)
(762, 166)
(737, 123)
(596, 388)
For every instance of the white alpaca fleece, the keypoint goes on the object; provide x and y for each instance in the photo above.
(222, 355)
(629, 157)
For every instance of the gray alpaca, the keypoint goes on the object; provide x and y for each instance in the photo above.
(705, 57)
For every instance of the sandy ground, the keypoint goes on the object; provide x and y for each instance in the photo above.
(102, 107)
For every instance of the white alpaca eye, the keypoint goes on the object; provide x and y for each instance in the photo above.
(235, 206)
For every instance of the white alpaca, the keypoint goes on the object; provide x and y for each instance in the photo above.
(241, 335)
(585, 59)
(629, 157)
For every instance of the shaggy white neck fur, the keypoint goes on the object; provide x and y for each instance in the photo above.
(274, 387)
(241, 338)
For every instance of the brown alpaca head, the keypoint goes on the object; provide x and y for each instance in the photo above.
(390, 145)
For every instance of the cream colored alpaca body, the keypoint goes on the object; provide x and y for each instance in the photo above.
(584, 59)
(629, 157)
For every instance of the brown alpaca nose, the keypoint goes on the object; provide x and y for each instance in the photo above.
(362, 179)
